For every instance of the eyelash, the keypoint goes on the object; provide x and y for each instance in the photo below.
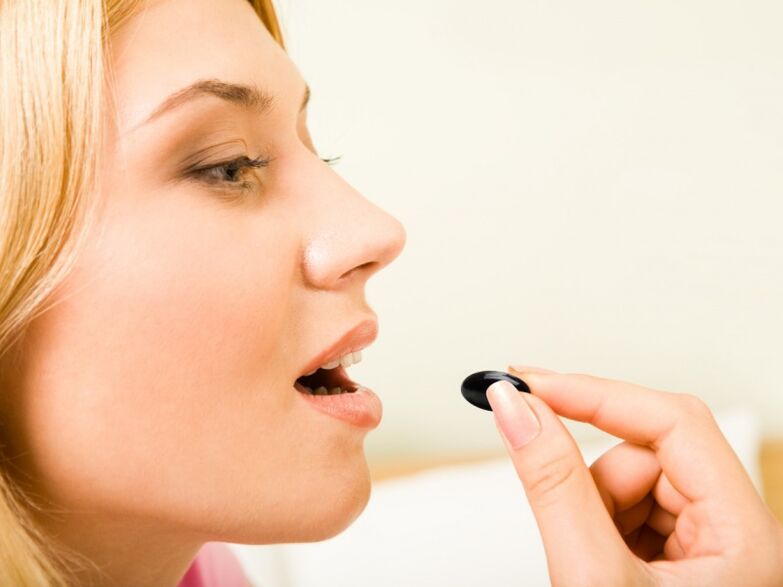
(237, 165)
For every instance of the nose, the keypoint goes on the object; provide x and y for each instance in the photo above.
(348, 238)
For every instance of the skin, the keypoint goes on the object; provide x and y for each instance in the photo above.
(670, 505)
(151, 409)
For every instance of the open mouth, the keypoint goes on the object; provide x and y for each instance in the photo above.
(325, 374)
(326, 382)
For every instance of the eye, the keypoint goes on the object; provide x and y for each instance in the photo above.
(229, 173)
(331, 161)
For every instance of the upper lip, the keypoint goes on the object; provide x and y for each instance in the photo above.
(357, 338)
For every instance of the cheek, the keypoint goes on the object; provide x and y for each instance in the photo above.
(190, 303)
(161, 344)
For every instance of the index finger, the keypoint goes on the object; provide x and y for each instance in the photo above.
(679, 427)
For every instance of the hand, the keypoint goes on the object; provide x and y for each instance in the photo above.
(671, 505)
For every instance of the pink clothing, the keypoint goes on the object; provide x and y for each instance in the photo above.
(215, 566)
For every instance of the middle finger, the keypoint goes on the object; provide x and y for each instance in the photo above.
(624, 475)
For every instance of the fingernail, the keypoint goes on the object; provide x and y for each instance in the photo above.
(513, 414)
(530, 369)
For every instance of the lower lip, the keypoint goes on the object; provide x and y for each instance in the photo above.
(361, 408)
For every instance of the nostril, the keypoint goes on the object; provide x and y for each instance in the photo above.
(365, 268)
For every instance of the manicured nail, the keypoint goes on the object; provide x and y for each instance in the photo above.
(530, 369)
(513, 414)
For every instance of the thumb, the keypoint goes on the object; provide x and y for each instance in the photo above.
(581, 542)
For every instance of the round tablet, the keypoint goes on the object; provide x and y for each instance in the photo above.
(474, 388)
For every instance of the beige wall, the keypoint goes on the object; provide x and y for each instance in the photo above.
(587, 186)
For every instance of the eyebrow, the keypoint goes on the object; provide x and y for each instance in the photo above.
(247, 96)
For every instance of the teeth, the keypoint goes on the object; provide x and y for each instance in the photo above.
(323, 391)
(346, 361)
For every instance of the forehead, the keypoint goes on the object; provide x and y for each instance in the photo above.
(169, 44)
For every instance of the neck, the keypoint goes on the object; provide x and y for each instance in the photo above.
(108, 553)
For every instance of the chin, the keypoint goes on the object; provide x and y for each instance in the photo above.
(340, 511)
(332, 502)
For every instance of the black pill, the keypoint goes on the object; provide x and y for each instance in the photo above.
(474, 388)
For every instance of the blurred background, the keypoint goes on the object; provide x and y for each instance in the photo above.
(587, 186)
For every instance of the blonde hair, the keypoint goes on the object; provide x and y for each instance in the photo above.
(53, 85)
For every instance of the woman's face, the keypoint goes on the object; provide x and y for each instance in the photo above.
(160, 387)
